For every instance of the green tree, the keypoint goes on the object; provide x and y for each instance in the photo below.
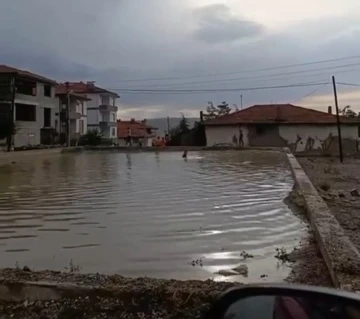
(92, 137)
(183, 125)
(213, 112)
(348, 112)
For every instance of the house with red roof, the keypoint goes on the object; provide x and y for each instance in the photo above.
(283, 125)
(101, 105)
(36, 106)
(135, 133)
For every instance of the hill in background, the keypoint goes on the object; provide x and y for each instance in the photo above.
(161, 123)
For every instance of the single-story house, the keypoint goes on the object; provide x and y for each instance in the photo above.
(285, 125)
(135, 133)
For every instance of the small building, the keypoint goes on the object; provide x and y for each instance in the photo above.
(75, 116)
(283, 125)
(101, 107)
(35, 108)
(138, 132)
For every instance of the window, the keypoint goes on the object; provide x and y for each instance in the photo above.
(26, 87)
(47, 117)
(47, 90)
(25, 112)
(113, 132)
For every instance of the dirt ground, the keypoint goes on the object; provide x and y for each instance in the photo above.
(140, 297)
(335, 182)
(308, 266)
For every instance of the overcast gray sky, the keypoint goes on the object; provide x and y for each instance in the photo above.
(112, 41)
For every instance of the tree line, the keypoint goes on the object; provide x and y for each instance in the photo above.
(183, 135)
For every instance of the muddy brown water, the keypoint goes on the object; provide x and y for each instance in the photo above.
(149, 214)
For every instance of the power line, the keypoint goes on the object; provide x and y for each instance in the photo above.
(258, 77)
(243, 71)
(313, 91)
(349, 84)
(145, 91)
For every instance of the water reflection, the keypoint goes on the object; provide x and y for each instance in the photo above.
(129, 214)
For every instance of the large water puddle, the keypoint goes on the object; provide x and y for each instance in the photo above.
(149, 214)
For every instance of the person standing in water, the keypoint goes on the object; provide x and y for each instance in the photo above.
(241, 136)
(185, 154)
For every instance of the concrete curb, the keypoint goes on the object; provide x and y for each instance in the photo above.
(340, 255)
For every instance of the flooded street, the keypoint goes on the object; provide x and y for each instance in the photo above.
(149, 214)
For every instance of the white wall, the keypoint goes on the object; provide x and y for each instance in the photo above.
(93, 117)
(290, 133)
(95, 100)
(29, 132)
(224, 134)
(317, 132)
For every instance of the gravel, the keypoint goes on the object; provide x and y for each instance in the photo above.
(140, 297)
(334, 182)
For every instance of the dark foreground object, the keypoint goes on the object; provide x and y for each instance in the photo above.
(290, 302)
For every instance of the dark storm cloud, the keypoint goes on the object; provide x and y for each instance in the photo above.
(218, 25)
(110, 41)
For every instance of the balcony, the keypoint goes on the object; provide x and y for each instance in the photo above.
(108, 108)
(73, 115)
(107, 124)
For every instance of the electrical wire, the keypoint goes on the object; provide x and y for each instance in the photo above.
(313, 91)
(184, 86)
(146, 91)
(349, 84)
(257, 77)
(243, 71)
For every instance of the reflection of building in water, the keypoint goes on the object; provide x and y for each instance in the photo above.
(283, 125)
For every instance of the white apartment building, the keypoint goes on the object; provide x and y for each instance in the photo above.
(35, 108)
(101, 107)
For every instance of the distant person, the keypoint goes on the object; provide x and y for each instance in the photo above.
(241, 137)
(185, 154)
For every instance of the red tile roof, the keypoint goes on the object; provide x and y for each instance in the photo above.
(4, 69)
(280, 114)
(82, 88)
(138, 129)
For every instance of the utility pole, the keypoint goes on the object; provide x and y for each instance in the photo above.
(338, 120)
(241, 102)
(11, 115)
(68, 114)
(168, 125)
